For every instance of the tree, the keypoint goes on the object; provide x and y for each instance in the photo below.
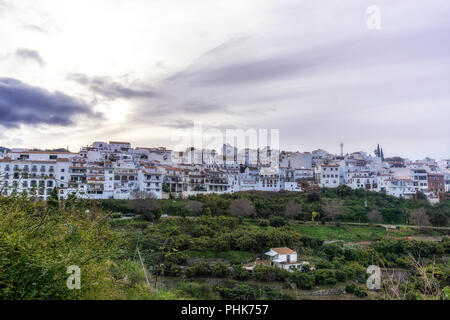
(315, 215)
(242, 207)
(420, 217)
(292, 210)
(146, 204)
(343, 190)
(378, 152)
(313, 197)
(332, 210)
(195, 207)
(207, 212)
(53, 199)
(375, 216)
(39, 246)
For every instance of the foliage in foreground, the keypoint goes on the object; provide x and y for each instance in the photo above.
(39, 242)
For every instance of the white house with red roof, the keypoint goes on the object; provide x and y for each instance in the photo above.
(284, 258)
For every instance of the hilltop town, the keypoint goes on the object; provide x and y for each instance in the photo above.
(117, 170)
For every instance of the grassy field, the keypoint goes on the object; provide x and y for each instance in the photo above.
(234, 256)
(345, 233)
(350, 233)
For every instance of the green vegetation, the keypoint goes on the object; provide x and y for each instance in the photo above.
(345, 233)
(340, 205)
(200, 253)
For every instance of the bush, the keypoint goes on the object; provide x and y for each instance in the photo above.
(199, 270)
(220, 270)
(170, 269)
(303, 280)
(239, 292)
(324, 265)
(325, 276)
(350, 288)
(343, 190)
(193, 290)
(263, 222)
(240, 273)
(332, 250)
(360, 292)
(272, 294)
(266, 273)
(341, 276)
(276, 221)
(354, 270)
(313, 197)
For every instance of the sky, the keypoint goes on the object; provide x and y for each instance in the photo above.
(144, 71)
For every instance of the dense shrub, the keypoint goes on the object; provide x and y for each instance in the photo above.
(350, 288)
(341, 276)
(199, 270)
(332, 250)
(267, 273)
(325, 276)
(170, 269)
(239, 273)
(303, 280)
(239, 292)
(263, 222)
(276, 221)
(220, 270)
(354, 270)
(193, 290)
(360, 292)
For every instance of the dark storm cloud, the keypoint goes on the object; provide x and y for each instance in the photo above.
(110, 89)
(28, 54)
(21, 103)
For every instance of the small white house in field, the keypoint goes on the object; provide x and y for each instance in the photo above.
(285, 258)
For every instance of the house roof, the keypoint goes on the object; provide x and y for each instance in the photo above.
(283, 250)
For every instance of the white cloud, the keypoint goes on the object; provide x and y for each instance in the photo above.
(310, 68)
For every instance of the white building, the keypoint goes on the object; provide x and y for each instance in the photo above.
(285, 258)
(329, 175)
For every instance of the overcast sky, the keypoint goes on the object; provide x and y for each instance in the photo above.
(74, 72)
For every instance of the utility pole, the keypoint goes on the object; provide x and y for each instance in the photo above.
(142, 262)
(161, 257)
(365, 198)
